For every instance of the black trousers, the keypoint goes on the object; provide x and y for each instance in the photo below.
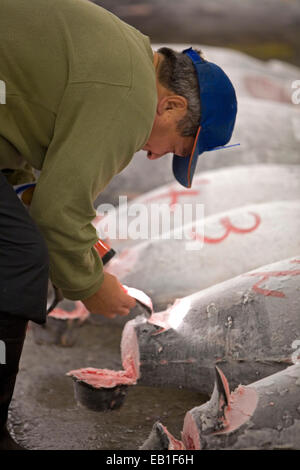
(24, 265)
(24, 269)
(12, 334)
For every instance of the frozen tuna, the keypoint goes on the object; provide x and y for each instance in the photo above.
(269, 80)
(217, 190)
(63, 324)
(231, 243)
(262, 415)
(248, 326)
(267, 132)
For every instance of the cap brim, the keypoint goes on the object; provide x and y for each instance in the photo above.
(184, 167)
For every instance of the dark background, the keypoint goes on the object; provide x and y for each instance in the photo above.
(266, 29)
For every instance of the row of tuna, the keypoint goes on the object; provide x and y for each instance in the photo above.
(267, 132)
(267, 125)
(262, 415)
(230, 243)
(225, 296)
(248, 326)
(272, 80)
(216, 190)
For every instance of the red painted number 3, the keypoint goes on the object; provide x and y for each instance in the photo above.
(229, 227)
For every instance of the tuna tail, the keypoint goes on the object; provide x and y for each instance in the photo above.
(222, 385)
(157, 440)
(215, 410)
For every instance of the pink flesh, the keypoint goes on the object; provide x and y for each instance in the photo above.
(162, 318)
(102, 378)
(105, 378)
(190, 434)
(243, 402)
(174, 444)
(140, 296)
(130, 350)
(80, 312)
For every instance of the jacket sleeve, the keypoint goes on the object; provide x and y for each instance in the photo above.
(96, 134)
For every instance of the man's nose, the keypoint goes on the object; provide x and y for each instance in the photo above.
(154, 156)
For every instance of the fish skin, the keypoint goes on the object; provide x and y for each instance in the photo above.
(236, 241)
(266, 130)
(216, 189)
(249, 334)
(272, 424)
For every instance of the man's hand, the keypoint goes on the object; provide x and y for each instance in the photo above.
(110, 300)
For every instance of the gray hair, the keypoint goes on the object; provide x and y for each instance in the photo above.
(177, 73)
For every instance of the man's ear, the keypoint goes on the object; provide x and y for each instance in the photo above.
(172, 102)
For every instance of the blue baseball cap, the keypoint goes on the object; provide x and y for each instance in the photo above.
(218, 112)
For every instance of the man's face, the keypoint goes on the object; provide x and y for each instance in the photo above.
(164, 136)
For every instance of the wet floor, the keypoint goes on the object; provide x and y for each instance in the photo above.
(44, 414)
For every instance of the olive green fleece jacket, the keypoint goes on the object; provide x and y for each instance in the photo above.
(80, 101)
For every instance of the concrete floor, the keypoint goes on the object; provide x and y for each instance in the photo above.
(44, 414)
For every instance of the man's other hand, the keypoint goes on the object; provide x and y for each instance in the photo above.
(110, 300)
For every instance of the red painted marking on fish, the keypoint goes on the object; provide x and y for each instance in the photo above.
(229, 227)
(198, 181)
(263, 87)
(265, 276)
(174, 195)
